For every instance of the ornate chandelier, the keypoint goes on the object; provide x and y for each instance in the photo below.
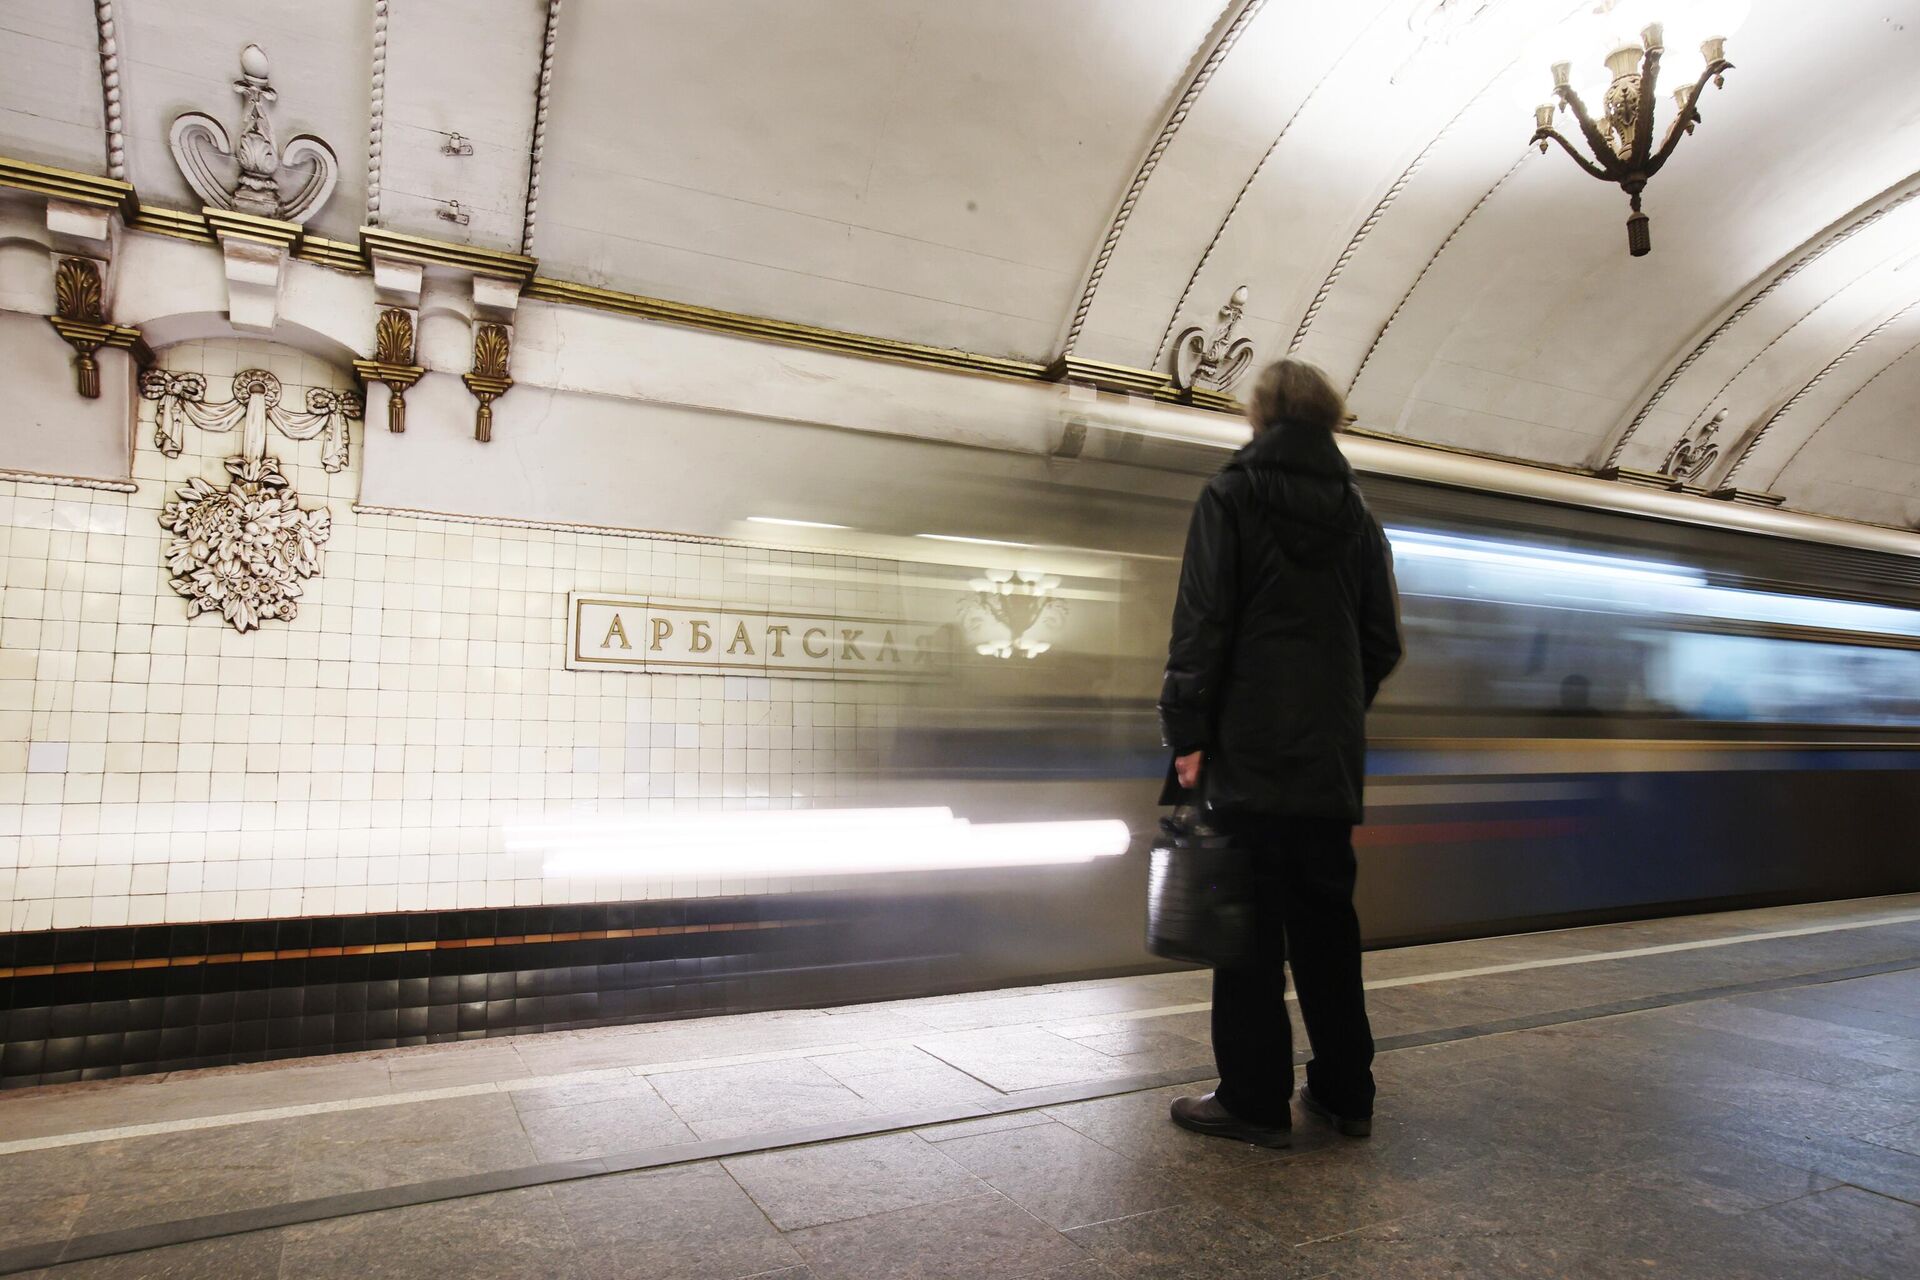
(1621, 139)
(1021, 603)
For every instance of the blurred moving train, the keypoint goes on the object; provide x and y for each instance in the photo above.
(1603, 713)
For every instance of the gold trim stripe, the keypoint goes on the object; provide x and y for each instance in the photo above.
(423, 249)
(178, 223)
(545, 289)
(338, 254)
(389, 948)
(65, 184)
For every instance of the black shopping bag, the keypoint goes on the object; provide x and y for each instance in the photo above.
(1199, 894)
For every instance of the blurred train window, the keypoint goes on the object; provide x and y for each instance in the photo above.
(1499, 627)
(1768, 679)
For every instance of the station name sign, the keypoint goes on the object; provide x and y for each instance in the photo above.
(634, 633)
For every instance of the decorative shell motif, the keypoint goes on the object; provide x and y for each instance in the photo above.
(490, 351)
(242, 551)
(393, 337)
(76, 290)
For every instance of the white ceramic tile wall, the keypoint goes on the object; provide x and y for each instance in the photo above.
(367, 755)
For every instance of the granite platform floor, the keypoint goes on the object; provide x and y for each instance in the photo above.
(1708, 1096)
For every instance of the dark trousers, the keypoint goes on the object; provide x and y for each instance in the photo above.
(1303, 913)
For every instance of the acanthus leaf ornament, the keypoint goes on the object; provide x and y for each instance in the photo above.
(288, 183)
(80, 319)
(488, 381)
(392, 363)
(244, 551)
(1622, 138)
(1218, 359)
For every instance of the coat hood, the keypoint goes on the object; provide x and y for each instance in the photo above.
(1298, 474)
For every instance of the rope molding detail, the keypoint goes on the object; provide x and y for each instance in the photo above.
(1152, 161)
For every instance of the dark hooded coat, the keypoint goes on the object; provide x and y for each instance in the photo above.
(1286, 623)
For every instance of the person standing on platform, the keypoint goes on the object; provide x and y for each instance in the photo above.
(1286, 623)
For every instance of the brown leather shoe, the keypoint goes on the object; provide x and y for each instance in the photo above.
(1204, 1114)
(1351, 1126)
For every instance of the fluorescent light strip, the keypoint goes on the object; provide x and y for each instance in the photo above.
(1540, 559)
(979, 542)
(795, 524)
(809, 842)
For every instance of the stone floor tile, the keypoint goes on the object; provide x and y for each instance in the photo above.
(813, 1185)
(443, 1066)
(1711, 1175)
(985, 1124)
(518, 1235)
(613, 1127)
(339, 1152)
(604, 1085)
(1026, 1008)
(930, 1086)
(254, 1256)
(1023, 1058)
(867, 1062)
(1851, 1231)
(1062, 1177)
(758, 1091)
(138, 1181)
(1327, 1193)
(1137, 1126)
(980, 1236)
(1190, 1242)
(691, 1223)
(42, 1193)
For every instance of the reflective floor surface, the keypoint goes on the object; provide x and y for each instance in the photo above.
(1708, 1096)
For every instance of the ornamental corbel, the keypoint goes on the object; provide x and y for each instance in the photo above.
(488, 380)
(80, 318)
(393, 361)
(254, 251)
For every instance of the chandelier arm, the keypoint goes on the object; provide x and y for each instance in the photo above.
(1602, 150)
(1643, 108)
(1592, 168)
(1677, 129)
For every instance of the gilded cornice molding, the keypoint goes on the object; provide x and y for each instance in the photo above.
(226, 223)
(65, 184)
(337, 254)
(516, 267)
(785, 331)
(178, 223)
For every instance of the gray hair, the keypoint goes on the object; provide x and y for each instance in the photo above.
(1294, 391)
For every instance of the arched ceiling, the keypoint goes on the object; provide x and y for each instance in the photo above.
(1035, 179)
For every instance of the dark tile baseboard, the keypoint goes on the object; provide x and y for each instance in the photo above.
(86, 1004)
